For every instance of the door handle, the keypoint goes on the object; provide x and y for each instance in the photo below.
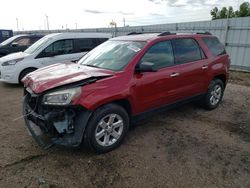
(204, 67)
(174, 74)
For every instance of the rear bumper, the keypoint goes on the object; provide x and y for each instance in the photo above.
(50, 129)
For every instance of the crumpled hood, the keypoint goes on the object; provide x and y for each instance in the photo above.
(61, 74)
(13, 56)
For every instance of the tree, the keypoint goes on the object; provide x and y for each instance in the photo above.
(214, 13)
(223, 13)
(231, 13)
(244, 10)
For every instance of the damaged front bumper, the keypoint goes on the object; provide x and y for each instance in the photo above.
(64, 125)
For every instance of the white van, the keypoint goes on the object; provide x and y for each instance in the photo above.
(51, 49)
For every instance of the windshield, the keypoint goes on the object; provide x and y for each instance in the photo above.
(112, 55)
(9, 40)
(37, 45)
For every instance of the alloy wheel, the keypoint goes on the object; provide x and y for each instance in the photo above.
(109, 129)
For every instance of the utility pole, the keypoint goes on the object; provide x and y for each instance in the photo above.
(124, 23)
(112, 23)
(226, 28)
(17, 24)
(47, 20)
(76, 25)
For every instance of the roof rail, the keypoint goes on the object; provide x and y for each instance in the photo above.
(166, 33)
(204, 33)
(134, 33)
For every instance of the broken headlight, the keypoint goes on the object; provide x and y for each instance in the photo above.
(63, 97)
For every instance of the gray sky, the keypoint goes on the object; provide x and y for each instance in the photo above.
(99, 13)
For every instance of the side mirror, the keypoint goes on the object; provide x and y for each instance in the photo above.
(145, 67)
(14, 44)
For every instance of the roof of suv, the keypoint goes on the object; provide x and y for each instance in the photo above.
(153, 36)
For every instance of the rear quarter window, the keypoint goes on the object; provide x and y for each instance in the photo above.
(214, 45)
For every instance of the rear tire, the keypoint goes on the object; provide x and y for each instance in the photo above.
(107, 128)
(214, 94)
(24, 73)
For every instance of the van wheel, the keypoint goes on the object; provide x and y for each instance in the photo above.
(214, 94)
(107, 128)
(24, 73)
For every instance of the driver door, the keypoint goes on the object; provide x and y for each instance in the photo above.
(154, 89)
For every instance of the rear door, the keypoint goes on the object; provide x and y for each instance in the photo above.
(191, 68)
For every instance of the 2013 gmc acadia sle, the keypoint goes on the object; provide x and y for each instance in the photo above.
(96, 100)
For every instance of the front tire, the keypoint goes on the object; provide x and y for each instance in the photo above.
(24, 73)
(107, 128)
(214, 94)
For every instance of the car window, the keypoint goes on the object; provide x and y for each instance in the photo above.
(84, 45)
(60, 47)
(9, 40)
(186, 50)
(160, 54)
(112, 55)
(214, 45)
(39, 45)
(34, 39)
(23, 41)
(101, 40)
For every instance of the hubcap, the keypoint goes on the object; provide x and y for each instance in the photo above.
(109, 130)
(215, 95)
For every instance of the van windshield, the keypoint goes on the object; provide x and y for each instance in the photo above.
(37, 45)
(9, 40)
(112, 55)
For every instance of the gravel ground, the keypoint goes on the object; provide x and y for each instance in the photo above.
(184, 147)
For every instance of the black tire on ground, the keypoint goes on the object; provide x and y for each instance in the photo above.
(103, 114)
(210, 102)
(24, 73)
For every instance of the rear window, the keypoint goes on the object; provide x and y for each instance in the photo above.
(214, 45)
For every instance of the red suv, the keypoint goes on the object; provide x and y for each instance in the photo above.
(124, 79)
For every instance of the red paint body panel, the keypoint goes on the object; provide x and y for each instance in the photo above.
(60, 74)
(144, 91)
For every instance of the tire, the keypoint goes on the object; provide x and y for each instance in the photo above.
(214, 94)
(107, 128)
(24, 73)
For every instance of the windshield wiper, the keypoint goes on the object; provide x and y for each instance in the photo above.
(91, 66)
